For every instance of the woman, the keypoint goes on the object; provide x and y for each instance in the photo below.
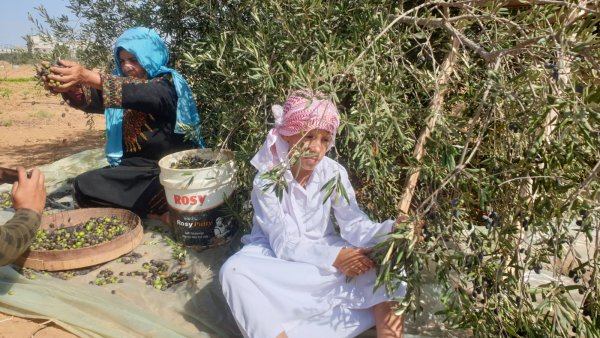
(145, 104)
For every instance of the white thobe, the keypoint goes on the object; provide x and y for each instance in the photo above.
(283, 279)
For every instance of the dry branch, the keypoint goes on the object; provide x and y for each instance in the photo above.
(436, 109)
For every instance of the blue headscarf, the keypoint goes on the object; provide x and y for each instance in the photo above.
(153, 55)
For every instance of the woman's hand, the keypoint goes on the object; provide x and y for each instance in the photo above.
(43, 70)
(353, 261)
(69, 75)
(29, 192)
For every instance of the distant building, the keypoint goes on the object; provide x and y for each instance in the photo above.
(41, 45)
(9, 49)
(36, 44)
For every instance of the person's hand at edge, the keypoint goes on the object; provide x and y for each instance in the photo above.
(29, 192)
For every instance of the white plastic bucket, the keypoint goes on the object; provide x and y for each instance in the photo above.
(196, 195)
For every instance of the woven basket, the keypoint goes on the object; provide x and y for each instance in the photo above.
(58, 260)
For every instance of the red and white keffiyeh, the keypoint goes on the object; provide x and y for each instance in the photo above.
(302, 112)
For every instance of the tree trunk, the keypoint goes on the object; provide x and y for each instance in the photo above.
(435, 107)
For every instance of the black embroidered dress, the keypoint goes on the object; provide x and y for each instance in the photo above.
(148, 135)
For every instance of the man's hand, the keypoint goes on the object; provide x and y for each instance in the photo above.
(402, 217)
(29, 192)
(353, 261)
(417, 226)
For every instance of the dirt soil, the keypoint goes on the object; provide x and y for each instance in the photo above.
(15, 327)
(37, 129)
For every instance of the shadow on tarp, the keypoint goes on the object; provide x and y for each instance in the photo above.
(207, 302)
(81, 311)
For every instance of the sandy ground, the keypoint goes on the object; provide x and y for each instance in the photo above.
(37, 129)
(15, 327)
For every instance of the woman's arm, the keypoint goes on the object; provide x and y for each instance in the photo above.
(85, 98)
(79, 87)
(70, 75)
(29, 198)
(157, 96)
(91, 91)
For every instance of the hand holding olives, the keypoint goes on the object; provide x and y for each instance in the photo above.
(69, 76)
(43, 73)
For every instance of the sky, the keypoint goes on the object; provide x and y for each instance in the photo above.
(14, 22)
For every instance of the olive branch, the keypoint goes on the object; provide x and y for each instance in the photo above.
(278, 183)
(191, 132)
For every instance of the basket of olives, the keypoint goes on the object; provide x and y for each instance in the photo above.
(80, 238)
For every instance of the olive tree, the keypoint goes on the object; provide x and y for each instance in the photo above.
(479, 119)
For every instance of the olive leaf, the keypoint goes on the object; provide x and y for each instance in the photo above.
(335, 185)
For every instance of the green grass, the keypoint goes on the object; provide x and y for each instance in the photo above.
(6, 123)
(40, 114)
(4, 92)
(18, 79)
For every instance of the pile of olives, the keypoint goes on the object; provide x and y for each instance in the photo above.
(5, 200)
(158, 276)
(104, 277)
(193, 162)
(130, 258)
(93, 232)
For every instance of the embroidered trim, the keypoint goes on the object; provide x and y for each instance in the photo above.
(158, 203)
(112, 88)
(112, 91)
(134, 124)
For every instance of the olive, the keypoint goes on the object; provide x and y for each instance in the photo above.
(84, 235)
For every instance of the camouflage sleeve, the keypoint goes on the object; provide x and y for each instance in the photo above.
(16, 235)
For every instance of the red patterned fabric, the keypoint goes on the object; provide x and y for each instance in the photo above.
(301, 112)
(112, 88)
(134, 122)
(304, 111)
(112, 91)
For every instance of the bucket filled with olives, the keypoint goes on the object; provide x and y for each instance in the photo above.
(197, 183)
(80, 238)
